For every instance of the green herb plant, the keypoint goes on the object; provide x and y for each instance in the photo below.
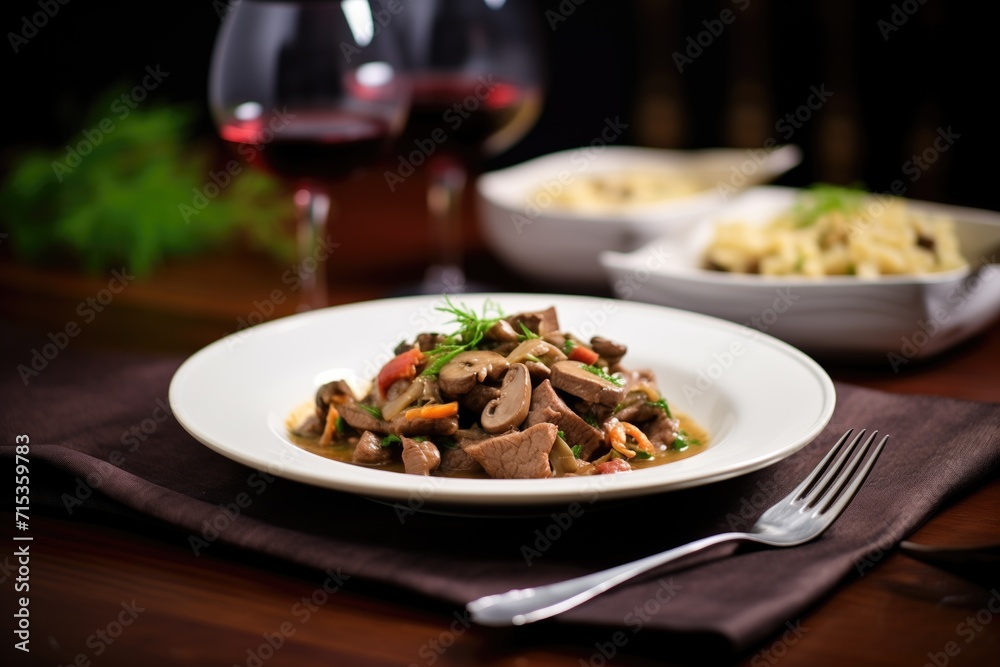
(120, 203)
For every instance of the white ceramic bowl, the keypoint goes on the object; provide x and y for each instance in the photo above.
(892, 319)
(558, 245)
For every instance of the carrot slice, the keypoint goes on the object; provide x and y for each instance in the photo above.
(436, 411)
(584, 354)
(330, 427)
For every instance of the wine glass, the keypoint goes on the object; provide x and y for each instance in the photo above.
(477, 75)
(309, 91)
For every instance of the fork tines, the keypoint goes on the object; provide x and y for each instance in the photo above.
(833, 482)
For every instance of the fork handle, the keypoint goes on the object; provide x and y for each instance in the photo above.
(527, 605)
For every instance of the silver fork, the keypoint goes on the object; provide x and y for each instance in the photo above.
(795, 519)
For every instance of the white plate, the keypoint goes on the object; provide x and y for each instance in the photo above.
(891, 320)
(759, 399)
(562, 246)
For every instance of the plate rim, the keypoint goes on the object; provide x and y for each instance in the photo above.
(506, 493)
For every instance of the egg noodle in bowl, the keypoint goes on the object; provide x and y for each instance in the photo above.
(833, 231)
(620, 190)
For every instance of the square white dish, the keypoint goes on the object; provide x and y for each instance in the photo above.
(892, 318)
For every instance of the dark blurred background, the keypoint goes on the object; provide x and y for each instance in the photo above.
(900, 74)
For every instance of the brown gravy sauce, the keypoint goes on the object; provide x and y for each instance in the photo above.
(344, 451)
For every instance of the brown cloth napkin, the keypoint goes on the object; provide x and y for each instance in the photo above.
(103, 419)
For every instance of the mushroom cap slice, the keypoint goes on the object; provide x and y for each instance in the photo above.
(509, 409)
(468, 369)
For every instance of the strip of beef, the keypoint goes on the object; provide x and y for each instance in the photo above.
(547, 406)
(370, 451)
(541, 322)
(337, 392)
(636, 408)
(517, 454)
(400, 425)
(573, 378)
(361, 419)
(420, 458)
(662, 430)
(457, 460)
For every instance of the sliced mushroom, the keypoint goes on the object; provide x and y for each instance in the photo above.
(502, 332)
(478, 397)
(573, 378)
(468, 369)
(537, 348)
(609, 350)
(511, 407)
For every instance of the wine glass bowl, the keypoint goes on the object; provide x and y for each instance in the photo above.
(477, 76)
(311, 92)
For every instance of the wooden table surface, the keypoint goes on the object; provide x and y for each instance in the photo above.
(219, 608)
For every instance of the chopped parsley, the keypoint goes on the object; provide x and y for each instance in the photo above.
(390, 440)
(561, 434)
(591, 419)
(821, 199)
(445, 441)
(472, 328)
(528, 333)
(662, 404)
(373, 410)
(577, 451)
(341, 425)
(603, 374)
(568, 346)
(684, 440)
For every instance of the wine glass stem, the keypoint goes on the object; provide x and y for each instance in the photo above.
(313, 208)
(444, 201)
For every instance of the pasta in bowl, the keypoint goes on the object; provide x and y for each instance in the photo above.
(846, 289)
(831, 231)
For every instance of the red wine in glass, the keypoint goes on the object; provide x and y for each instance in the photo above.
(478, 115)
(310, 92)
(317, 146)
(477, 74)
